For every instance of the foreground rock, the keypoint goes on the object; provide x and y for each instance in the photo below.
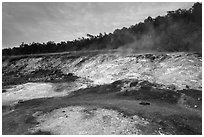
(76, 120)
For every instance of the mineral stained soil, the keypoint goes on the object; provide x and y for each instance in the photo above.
(102, 94)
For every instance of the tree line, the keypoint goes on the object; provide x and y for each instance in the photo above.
(179, 30)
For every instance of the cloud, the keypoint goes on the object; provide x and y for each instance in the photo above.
(41, 22)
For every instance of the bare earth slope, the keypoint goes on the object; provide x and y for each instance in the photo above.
(150, 93)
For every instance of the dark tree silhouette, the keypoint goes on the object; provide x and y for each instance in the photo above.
(179, 30)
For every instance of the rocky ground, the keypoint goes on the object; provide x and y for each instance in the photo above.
(75, 120)
(102, 93)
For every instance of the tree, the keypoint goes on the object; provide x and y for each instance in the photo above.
(179, 30)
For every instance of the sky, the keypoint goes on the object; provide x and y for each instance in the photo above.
(65, 21)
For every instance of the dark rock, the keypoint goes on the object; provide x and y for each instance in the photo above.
(144, 103)
(187, 87)
(172, 87)
(70, 75)
(20, 101)
(151, 57)
(133, 84)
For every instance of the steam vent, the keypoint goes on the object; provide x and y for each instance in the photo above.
(142, 79)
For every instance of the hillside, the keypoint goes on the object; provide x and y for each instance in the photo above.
(169, 69)
(149, 93)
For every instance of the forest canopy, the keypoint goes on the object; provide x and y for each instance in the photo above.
(179, 30)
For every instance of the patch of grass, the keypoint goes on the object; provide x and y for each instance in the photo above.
(29, 119)
(146, 93)
(192, 93)
(183, 124)
(6, 108)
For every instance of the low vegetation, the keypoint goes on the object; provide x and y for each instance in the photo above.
(179, 30)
